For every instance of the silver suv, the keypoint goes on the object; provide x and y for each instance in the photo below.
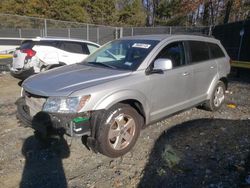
(123, 86)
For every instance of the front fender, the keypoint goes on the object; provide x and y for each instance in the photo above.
(116, 97)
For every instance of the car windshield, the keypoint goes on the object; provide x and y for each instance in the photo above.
(121, 54)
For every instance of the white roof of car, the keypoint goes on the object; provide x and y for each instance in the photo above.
(59, 39)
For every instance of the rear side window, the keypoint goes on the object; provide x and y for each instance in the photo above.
(74, 47)
(199, 51)
(215, 51)
(48, 43)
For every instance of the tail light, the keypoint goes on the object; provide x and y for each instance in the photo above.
(30, 53)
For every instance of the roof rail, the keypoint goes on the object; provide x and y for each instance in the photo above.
(194, 33)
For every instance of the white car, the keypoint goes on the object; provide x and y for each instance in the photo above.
(40, 54)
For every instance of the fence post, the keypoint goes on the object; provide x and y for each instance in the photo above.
(116, 33)
(20, 33)
(45, 27)
(210, 31)
(132, 31)
(170, 30)
(121, 32)
(97, 34)
(87, 31)
(69, 33)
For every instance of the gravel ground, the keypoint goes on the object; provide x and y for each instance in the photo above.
(4, 64)
(195, 148)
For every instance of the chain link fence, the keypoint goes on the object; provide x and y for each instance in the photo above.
(13, 26)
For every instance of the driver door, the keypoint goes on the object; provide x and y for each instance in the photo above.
(171, 90)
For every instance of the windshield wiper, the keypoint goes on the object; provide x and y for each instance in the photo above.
(102, 64)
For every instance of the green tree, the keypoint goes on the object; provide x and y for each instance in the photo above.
(133, 14)
(70, 10)
(103, 12)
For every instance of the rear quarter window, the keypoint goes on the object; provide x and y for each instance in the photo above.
(199, 51)
(215, 51)
(92, 48)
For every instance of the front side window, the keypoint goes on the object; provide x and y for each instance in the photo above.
(121, 54)
(199, 51)
(174, 52)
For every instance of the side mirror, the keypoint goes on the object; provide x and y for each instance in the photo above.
(163, 64)
(160, 65)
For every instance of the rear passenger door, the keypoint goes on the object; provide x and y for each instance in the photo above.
(72, 52)
(204, 69)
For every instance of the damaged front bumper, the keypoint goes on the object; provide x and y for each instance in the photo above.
(77, 124)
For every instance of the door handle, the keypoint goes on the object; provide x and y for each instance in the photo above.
(212, 67)
(185, 74)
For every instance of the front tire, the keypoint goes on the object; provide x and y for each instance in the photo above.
(217, 98)
(118, 130)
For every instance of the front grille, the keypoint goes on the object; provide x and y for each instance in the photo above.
(34, 102)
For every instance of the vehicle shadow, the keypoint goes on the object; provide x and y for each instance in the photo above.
(200, 153)
(43, 161)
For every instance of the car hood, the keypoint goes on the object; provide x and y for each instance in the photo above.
(67, 79)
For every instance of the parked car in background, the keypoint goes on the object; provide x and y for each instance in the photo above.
(125, 85)
(40, 54)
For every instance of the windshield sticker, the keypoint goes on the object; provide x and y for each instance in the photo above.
(141, 45)
(128, 63)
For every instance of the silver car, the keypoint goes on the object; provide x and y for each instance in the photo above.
(124, 86)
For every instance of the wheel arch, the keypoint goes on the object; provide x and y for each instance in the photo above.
(137, 106)
(135, 99)
(225, 81)
(214, 83)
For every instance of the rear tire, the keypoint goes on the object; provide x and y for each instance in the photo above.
(217, 98)
(118, 130)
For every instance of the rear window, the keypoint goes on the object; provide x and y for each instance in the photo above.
(215, 51)
(28, 44)
(199, 51)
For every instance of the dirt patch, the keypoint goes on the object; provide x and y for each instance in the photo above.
(192, 149)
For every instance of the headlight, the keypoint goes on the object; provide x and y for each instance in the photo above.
(65, 104)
